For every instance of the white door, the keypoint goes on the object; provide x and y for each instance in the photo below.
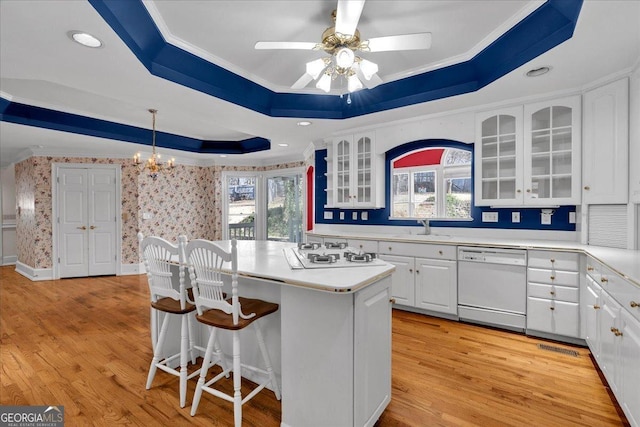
(87, 222)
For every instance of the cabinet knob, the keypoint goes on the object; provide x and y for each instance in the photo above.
(552, 292)
(589, 268)
(616, 331)
(528, 190)
(552, 277)
(586, 187)
(596, 307)
(604, 279)
(552, 260)
(417, 271)
(518, 191)
(552, 308)
(392, 300)
(634, 304)
(411, 270)
(389, 247)
(440, 252)
(360, 246)
(82, 228)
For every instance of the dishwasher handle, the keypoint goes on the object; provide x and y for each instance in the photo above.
(493, 256)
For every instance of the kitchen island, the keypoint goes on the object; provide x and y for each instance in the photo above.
(330, 341)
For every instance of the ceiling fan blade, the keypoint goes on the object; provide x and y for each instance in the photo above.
(302, 81)
(286, 45)
(401, 42)
(347, 16)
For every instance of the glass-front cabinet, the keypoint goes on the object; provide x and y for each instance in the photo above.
(529, 155)
(353, 168)
(498, 158)
(552, 152)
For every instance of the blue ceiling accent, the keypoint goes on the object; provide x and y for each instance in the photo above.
(548, 26)
(23, 114)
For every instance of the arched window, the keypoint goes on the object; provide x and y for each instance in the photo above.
(431, 183)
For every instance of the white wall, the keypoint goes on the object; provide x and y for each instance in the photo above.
(8, 219)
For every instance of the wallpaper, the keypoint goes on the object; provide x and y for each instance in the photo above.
(188, 200)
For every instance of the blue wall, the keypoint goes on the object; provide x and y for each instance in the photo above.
(530, 218)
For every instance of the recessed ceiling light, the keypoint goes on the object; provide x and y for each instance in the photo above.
(538, 71)
(304, 123)
(283, 145)
(85, 39)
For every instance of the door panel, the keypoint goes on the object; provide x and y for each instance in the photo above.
(102, 221)
(73, 230)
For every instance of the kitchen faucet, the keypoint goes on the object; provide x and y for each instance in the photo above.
(427, 227)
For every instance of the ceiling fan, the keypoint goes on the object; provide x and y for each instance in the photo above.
(341, 42)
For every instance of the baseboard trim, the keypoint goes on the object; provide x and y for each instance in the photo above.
(34, 274)
(131, 269)
(9, 260)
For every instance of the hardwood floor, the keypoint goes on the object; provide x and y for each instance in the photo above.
(84, 344)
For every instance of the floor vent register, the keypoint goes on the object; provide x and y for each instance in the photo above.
(558, 350)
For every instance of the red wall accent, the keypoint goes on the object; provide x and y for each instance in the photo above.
(431, 156)
(310, 198)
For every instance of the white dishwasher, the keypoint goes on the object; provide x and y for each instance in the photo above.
(492, 286)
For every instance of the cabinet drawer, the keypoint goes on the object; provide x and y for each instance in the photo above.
(555, 317)
(364, 245)
(554, 260)
(626, 293)
(593, 269)
(420, 250)
(559, 293)
(551, 277)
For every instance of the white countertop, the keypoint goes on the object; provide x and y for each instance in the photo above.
(262, 259)
(623, 261)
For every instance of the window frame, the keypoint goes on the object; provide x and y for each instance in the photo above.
(442, 173)
(260, 198)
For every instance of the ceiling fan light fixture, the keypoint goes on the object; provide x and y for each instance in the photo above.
(345, 58)
(368, 68)
(353, 82)
(314, 68)
(325, 82)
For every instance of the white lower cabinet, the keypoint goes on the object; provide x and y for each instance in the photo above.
(613, 334)
(429, 283)
(553, 293)
(436, 285)
(630, 367)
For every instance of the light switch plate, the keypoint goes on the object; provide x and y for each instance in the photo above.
(515, 216)
(328, 215)
(341, 216)
(354, 216)
(572, 217)
(489, 216)
(364, 216)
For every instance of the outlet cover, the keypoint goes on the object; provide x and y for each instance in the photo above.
(354, 216)
(489, 216)
(341, 216)
(364, 216)
(515, 216)
(572, 217)
(328, 215)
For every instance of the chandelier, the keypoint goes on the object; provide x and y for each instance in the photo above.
(154, 165)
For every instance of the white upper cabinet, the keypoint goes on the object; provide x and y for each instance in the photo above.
(606, 144)
(498, 158)
(552, 152)
(355, 173)
(529, 155)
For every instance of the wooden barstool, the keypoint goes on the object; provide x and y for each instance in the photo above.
(205, 260)
(158, 256)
